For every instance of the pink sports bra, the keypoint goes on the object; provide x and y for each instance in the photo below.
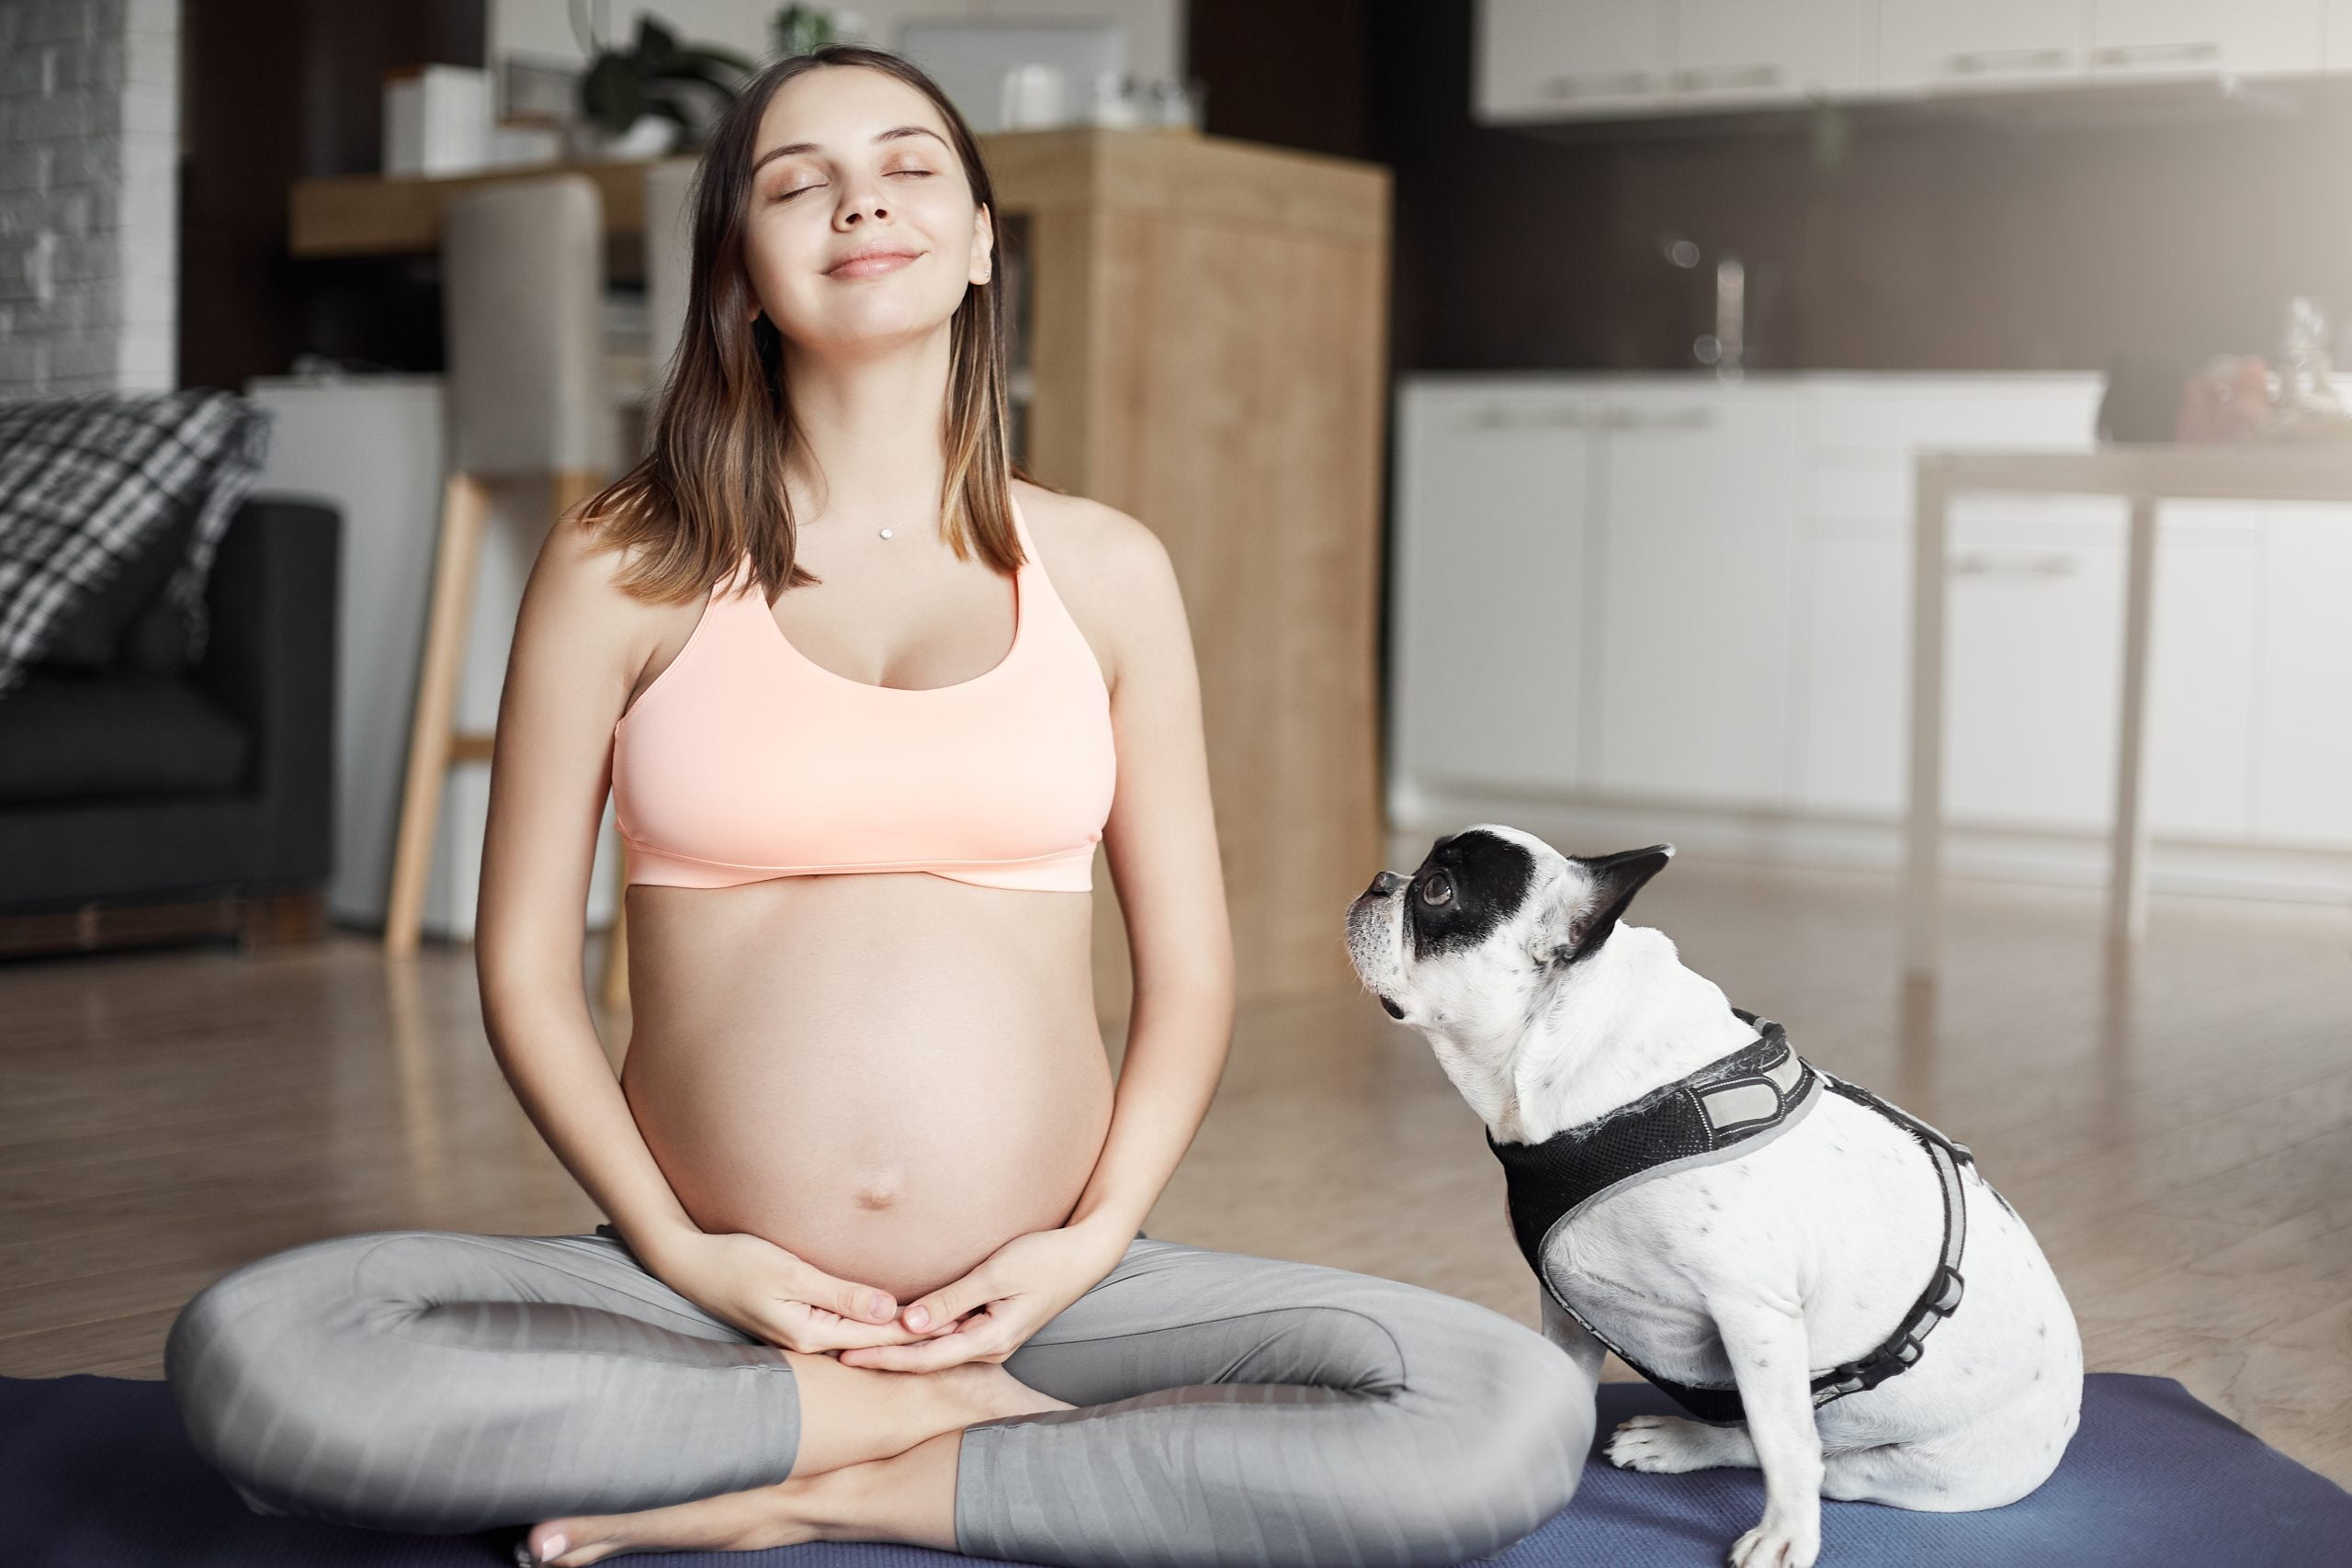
(746, 759)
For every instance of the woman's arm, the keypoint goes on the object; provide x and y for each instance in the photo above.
(579, 643)
(1161, 844)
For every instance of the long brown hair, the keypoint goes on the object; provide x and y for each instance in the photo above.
(710, 485)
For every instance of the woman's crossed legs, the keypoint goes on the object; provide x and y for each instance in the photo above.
(1224, 1408)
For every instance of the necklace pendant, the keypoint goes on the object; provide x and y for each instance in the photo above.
(886, 532)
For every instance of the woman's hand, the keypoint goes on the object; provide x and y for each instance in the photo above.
(992, 1311)
(775, 1295)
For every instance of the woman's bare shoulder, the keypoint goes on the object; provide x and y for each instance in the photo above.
(583, 603)
(1098, 550)
(1110, 569)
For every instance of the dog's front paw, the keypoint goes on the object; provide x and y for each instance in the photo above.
(1669, 1445)
(1776, 1545)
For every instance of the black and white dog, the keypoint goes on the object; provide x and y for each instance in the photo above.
(1826, 1284)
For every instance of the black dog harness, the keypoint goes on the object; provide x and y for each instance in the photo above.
(1728, 1108)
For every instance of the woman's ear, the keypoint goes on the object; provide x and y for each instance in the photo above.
(983, 244)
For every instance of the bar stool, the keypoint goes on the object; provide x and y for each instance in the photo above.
(528, 396)
(669, 264)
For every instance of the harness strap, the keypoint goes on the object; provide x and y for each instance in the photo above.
(1941, 1296)
(1900, 1350)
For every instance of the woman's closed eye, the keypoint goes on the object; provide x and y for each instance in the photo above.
(817, 185)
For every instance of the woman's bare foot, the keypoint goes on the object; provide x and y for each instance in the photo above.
(987, 1387)
(799, 1508)
(733, 1521)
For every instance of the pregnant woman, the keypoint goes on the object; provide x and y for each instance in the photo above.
(866, 702)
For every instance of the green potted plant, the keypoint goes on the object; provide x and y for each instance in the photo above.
(799, 29)
(658, 95)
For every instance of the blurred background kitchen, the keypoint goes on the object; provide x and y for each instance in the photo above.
(1544, 401)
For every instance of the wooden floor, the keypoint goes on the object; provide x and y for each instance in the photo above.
(2181, 1141)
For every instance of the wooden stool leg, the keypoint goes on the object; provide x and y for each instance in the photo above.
(457, 554)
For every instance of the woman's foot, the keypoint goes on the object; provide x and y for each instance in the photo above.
(986, 1387)
(798, 1508)
(780, 1514)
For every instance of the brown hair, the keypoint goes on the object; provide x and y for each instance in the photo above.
(723, 421)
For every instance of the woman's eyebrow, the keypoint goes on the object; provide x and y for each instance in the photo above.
(792, 147)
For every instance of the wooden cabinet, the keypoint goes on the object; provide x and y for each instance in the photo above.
(1206, 350)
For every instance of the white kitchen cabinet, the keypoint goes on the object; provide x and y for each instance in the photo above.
(1580, 58)
(2303, 726)
(1934, 46)
(1742, 54)
(1850, 686)
(1694, 598)
(1489, 629)
(1555, 58)
(1853, 644)
(2035, 665)
(2033, 661)
(1854, 634)
(2202, 670)
(1698, 511)
(2133, 38)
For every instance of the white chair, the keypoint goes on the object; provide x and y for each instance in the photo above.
(528, 394)
(669, 257)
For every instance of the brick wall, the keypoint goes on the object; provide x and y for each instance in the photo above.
(89, 194)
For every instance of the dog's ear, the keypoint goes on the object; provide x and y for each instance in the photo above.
(1611, 882)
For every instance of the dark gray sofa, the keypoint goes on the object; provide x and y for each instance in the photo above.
(145, 805)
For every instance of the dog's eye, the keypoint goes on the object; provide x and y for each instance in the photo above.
(1437, 889)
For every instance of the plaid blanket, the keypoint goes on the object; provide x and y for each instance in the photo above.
(87, 480)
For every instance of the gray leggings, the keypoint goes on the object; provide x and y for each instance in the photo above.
(1231, 1408)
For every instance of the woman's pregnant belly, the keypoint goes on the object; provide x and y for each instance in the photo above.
(889, 1076)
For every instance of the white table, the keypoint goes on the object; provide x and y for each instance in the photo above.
(2143, 475)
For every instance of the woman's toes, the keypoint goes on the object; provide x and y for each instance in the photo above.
(750, 1520)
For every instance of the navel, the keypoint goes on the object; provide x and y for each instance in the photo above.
(879, 1191)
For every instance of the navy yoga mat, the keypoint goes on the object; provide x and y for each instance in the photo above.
(96, 1473)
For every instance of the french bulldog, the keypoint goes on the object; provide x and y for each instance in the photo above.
(1762, 1270)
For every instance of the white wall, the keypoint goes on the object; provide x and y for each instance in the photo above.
(89, 195)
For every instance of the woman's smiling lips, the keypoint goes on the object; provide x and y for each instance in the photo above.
(871, 263)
